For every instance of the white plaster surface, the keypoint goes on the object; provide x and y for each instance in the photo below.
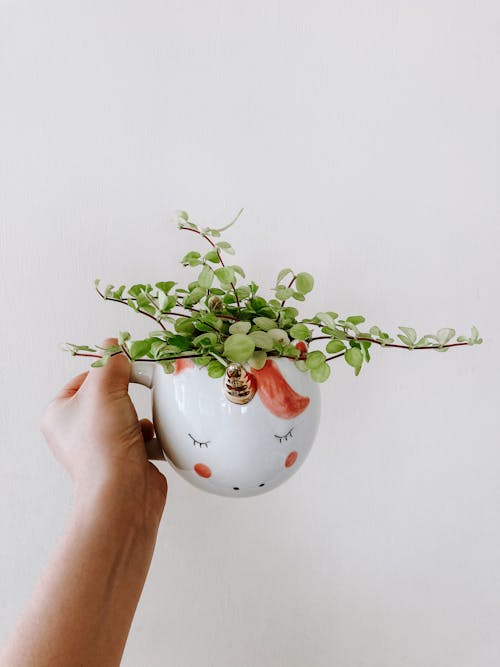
(362, 139)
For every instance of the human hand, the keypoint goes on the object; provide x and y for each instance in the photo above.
(92, 428)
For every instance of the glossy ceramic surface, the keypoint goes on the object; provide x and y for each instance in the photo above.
(227, 449)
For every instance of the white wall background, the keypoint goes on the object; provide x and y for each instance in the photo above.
(362, 139)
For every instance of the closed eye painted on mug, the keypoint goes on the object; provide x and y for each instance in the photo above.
(198, 443)
(286, 436)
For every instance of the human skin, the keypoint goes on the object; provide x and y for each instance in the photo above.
(83, 605)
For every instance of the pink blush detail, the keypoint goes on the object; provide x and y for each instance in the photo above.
(202, 470)
(181, 365)
(290, 459)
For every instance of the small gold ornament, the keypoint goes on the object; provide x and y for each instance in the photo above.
(239, 386)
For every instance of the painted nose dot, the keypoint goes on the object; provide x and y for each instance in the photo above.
(290, 459)
(202, 470)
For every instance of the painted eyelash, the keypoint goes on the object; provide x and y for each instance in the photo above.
(197, 442)
(286, 436)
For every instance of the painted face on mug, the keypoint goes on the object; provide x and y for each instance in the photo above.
(236, 450)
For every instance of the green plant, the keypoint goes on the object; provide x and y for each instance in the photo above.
(219, 318)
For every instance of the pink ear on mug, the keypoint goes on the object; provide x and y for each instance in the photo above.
(276, 394)
(181, 365)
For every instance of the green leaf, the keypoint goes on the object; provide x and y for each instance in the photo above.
(158, 349)
(208, 339)
(300, 365)
(122, 337)
(258, 359)
(422, 342)
(215, 369)
(315, 359)
(282, 274)
(212, 256)
(443, 336)
(201, 361)
(180, 216)
(132, 304)
(355, 319)
(184, 325)
(168, 366)
(100, 362)
(283, 292)
(238, 347)
(225, 274)
(206, 277)
(298, 296)
(320, 373)
(221, 360)
(227, 247)
(354, 358)
(117, 294)
(290, 350)
(136, 290)
(299, 332)
(406, 341)
(290, 312)
(193, 297)
(410, 333)
(192, 258)
(165, 287)
(139, 348)
(180, 343)
(166, 302)
(257, 303)
(238, 270)
(279, 335)
(71, 347)
(365, 346)
(262, 340)
(243, 292)
(304, 282)
(240, 327)
(335, 346)
(327, 319)
(264, 323)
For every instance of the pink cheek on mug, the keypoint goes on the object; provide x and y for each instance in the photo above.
(290, 459)
(202, 470)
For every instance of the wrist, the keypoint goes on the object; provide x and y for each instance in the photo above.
(118, 499)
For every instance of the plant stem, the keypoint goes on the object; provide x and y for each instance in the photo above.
(195, 310)
(196, 231)
(180, 356)
(289, 285)
(143, 312)
(335, 356)
(401, 347)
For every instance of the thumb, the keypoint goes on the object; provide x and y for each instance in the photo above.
(115, 374)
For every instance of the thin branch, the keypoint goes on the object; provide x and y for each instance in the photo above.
(289, 285)
(173, 358)
(195, 310)
(335, 356)
(401, 347)
(143, 312)
(196, 231)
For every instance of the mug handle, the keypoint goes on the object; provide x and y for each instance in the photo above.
(142, 372)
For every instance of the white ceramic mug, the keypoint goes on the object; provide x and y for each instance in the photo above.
(228, 449)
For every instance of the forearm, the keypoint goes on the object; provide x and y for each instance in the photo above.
(82, 608)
